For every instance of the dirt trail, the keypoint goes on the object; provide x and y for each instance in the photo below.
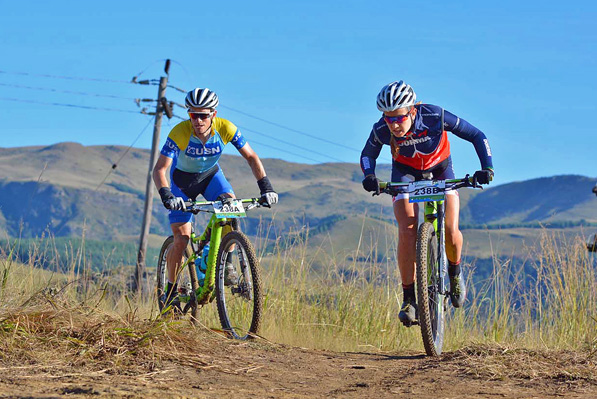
(265, 370)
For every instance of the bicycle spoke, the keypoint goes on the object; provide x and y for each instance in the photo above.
(239, 304)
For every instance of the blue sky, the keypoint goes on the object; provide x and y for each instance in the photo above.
(523, 72)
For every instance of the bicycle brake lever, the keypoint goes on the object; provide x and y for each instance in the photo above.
(264, 204)
(475, 183)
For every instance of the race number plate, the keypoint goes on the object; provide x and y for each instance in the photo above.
(426, 190)
(231, 209)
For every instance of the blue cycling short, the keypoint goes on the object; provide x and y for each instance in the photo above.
(216, 186)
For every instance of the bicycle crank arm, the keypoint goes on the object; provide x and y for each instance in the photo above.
(414, 323)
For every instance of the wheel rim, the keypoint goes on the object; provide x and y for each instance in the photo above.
(432, 286)
(161, 276)
(435, 296)
(237, 300)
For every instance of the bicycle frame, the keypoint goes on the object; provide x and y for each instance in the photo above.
(435, 214)
(214, 231)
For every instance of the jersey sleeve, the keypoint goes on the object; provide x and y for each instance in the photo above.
(177, 139)
(238, 140)
(229, 133)
(468, 132)
(170, 149)
(370, 153)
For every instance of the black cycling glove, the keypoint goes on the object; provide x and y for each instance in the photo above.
(371, 184)
(170, 201)
(483, 176)
(269, 196)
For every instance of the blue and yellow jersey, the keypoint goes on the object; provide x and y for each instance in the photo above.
(190, 155)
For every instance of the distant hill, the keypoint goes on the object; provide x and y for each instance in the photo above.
(548, 199)
(57, 189)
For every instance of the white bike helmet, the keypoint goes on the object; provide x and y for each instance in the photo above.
(394, 96)
(201, 98)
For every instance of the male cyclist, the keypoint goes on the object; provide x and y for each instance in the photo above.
(420, 150)
(193, 149)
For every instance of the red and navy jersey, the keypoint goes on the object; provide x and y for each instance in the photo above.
(426, 145)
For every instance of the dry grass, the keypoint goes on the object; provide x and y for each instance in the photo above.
(499, 362)
(351, 305)
(65, 337)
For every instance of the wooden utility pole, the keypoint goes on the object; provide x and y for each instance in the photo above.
(159, 111)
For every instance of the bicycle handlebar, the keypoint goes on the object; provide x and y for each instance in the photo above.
(451, 184)
(207, 206)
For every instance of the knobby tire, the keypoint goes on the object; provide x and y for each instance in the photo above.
(162, 276)
(430, 300)
(249, 283)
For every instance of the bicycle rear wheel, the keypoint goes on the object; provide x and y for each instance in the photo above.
(239, 302)
(430, 299)
(187, 279)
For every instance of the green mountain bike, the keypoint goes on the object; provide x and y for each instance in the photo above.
(431, 267)
(222, 249)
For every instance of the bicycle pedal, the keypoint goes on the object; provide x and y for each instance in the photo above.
(410, 323)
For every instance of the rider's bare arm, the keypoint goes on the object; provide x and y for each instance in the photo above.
(159, 171)
(253, 160)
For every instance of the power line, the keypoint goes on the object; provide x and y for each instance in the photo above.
(277, 125)
(66, 91)
(286, 151)
(115, 164)
(177, 89)
(70, 105)
(146, 68)
(290, 129)
(143, 111)
(65, 77)
(290, 144)
(281, 141)
(173, 115)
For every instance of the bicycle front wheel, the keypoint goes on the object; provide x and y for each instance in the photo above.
(238, 286)
(430, 299)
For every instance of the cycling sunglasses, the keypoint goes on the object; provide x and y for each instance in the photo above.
(200, 115)
(397, 119)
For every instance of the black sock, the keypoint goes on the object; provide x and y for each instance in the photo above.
(171, 289)
(453, 269)
(408, 291)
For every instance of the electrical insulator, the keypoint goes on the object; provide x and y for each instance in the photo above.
(166, 107)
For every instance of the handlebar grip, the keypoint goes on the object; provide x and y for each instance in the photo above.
(262, 201)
